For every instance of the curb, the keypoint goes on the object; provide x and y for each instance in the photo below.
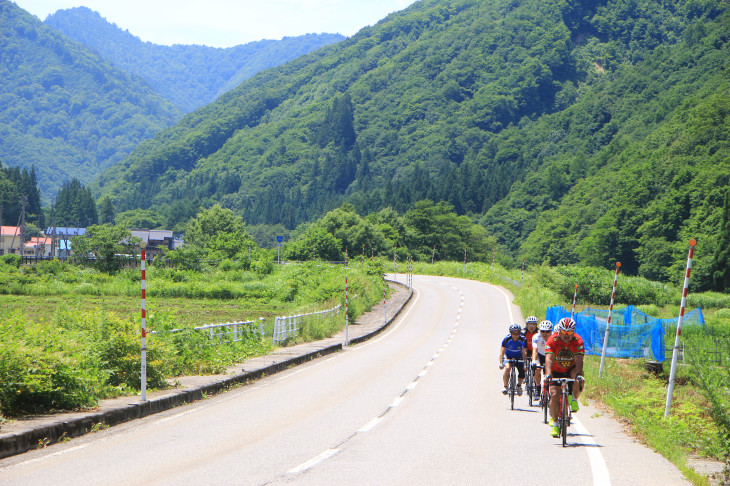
(48, 434)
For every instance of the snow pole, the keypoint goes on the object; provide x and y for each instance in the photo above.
(465, 247)
(385, 304)
(143, 347)
(433, 254)
(575, 297)
(608, 322)
(347, 316)
(675, 350)
(395, 258)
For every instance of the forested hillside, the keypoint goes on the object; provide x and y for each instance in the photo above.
(582, 131)
(63, 109)
(188, 75)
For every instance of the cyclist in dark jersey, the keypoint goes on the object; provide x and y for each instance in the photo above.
(514, 346)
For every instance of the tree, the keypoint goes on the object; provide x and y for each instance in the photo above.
(105, 242)
(106, 210)
(75, 206)
(720, 268)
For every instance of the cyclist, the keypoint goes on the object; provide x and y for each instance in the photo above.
(545, 329)
(564, 353)
(529, 332)
(514, 346)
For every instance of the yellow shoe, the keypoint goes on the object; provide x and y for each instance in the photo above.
(551, 422)
(555, 431)
(574, 404)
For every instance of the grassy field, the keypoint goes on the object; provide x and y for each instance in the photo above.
(71, 336)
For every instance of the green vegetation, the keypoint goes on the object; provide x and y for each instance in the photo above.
(188, 75)
(575, 132)
(65, 110)
(14, 184)
(72, 335)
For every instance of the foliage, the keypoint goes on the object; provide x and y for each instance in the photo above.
(65, 110)
(62, 351)
(710, 360)
(14, 185)
(576, 132)
(105, 243)
(75, 206)
(188, 75)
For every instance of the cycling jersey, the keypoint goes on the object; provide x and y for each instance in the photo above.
(528, 337)
(539, 342)
(513, 348)
(564, 353)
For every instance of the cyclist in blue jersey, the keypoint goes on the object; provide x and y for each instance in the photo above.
(514, 346)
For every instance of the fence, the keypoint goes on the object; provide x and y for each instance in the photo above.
(633, 334)
(227, 332)
(289, 326)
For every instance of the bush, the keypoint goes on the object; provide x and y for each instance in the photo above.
(11, 259)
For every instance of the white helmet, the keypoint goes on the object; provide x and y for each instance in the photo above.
(546, 326)
(531, 320)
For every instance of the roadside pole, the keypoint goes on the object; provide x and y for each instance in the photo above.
(385, 305)
(575, 297)
(347, 316)
(675, 351)
(608, 323)
(143, 371)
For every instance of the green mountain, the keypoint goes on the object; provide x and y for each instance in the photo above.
(188, 75)
(63, 109)
(574, 130)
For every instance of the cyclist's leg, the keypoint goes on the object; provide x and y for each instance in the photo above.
(505, 375)
(575, 388)
(520, 372)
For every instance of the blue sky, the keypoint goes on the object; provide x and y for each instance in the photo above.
(225, 23)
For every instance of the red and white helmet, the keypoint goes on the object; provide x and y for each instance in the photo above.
(565, 324)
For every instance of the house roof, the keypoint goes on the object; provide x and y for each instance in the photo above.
(9, 230)
(66, 231)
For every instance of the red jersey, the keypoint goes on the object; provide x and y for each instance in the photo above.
(564, 353)
(528, 336)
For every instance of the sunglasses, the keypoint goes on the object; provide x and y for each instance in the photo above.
(567, 333)
(547, 332)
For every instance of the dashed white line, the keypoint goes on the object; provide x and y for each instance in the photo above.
(314, 461)
(369, 426)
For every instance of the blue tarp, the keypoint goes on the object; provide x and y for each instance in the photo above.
(632, 334)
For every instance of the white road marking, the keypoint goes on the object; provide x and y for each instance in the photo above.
(599, 469)
(314, 461)
(369, 426)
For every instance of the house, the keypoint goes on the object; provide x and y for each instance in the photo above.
(156, 241)
(61, 236)
(9, 239)
(38, 246)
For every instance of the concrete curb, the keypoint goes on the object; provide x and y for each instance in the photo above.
(48, 434)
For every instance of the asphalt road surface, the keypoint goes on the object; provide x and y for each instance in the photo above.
(419, 404)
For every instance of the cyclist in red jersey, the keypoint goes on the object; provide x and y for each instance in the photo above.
(564, 353)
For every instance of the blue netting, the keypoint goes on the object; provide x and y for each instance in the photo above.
(633, 334)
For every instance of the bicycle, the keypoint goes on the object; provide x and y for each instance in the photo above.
(565, 413)
(512, 388)
(530, 386)
(543, 396)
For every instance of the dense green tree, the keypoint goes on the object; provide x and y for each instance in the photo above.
(75, 206)
(105, 243)
(140, 219)
(106, 211)
(721, 261)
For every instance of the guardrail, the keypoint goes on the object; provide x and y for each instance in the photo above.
(289, 326)
(227, 332)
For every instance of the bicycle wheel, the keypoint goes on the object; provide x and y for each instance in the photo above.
(512, 387)
(544, 402)
(564, 417)
(530, 385)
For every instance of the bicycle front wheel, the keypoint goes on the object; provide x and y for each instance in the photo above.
(512, 388)
(564, 417)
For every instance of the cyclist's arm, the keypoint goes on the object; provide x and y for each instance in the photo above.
(501, 355)
(534, 354)
(579, 364)
(549, 364)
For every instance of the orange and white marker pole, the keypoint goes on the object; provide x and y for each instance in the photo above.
(675, 350)
(143, 374)
(608, 323)
(347, 315)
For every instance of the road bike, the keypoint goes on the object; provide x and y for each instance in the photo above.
(565, 413)
(543, 396)
(512, 388)
(532, 392)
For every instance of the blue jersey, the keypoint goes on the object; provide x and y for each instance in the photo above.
(513, 349)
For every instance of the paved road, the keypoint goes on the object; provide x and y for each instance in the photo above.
(419, 404)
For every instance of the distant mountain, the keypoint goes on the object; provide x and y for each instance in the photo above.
(588, 131)
(188, 75)
(65, 110)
